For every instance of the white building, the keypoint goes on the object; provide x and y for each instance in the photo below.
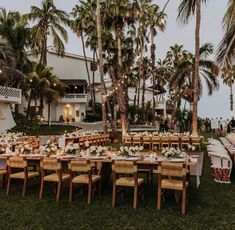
(8, 96)
(71, 70)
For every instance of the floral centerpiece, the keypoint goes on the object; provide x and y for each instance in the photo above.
(96, 151)
(172, 152)
(130, 151)
(24, 149)
(50, 148)
(72, 149)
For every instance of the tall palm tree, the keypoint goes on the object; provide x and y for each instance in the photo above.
(186, 9)
(49, 22)
(228, 75)
(100, 51)
(183, 72)
(226, 49)
(156, 22)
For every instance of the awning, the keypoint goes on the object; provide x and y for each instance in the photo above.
(80, 82)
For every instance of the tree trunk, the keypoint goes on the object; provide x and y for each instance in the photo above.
(93, 81)
(121, 92)
(87, 68)
(138, 94)
(196, 77)
(153, 57)
(49, 114)
(231, 101)
(43, 58)
(103, 93)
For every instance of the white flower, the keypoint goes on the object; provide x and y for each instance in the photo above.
(87, 143)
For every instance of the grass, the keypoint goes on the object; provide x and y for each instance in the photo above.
(210, 207)
(55, 129)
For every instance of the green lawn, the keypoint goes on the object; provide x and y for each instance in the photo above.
(210, 207)
(55, 129)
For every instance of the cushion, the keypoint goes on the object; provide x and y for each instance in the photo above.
(54, 177)
(21, 175)
(83, 179)
(128, 181)
(172, 184)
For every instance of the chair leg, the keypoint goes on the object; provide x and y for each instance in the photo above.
(24, 187)
(99, 187)
(89, 193)
(135, 197)
(58, 191)
(114, 196)
(183, 201)
(159, 198)
(41, 189)
(71, 192)
(8, 186)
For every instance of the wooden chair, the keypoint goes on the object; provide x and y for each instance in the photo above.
(81, 142)
(175, 178)
(196, 141)
(126, 167)
(3, 172)
(184, 141)
(128, 140)
(165, 141)
(175, 141)
(147, 140)
(156, 141)
(84, 167)
(136, 140)
(17, 162)
(52, 165)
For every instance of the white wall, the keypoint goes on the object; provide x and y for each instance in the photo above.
(6, 118)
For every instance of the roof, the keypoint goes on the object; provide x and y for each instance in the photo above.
(81, 82)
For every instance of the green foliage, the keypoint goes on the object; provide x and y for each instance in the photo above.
(28, 126)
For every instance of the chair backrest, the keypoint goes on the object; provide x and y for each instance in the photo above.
(128, 167)
(52, 164)
(146, 138)
(174, 138)
(165, 138)
(80, 165)
(156, 138)
(136, 138)
(172, 169)
(185, 138)
(196, 139)
(17, 162)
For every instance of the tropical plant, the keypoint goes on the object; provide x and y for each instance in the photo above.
(49, 21)
(226, 49)
(186, 9)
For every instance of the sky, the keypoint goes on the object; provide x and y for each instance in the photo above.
(216, 105)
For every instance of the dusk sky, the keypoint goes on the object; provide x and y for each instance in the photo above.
(216, 105)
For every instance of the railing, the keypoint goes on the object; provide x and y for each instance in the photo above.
(74, 98)
(11, 95)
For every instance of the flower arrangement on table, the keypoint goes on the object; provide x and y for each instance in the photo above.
(72, 149)
(96, 151)
(50, 148)
(130, 151)
(24, 149)
(172, 152)
(189, 147)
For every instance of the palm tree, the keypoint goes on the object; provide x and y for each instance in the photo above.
(183, 72)
(156, 21)
(100, 51)
(49, 21)
(228, 78)
(187, 8)
(226, 49)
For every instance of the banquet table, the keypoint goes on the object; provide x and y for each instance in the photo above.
(142, 163)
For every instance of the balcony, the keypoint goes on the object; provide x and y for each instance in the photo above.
(10, 95)
(74, 98)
